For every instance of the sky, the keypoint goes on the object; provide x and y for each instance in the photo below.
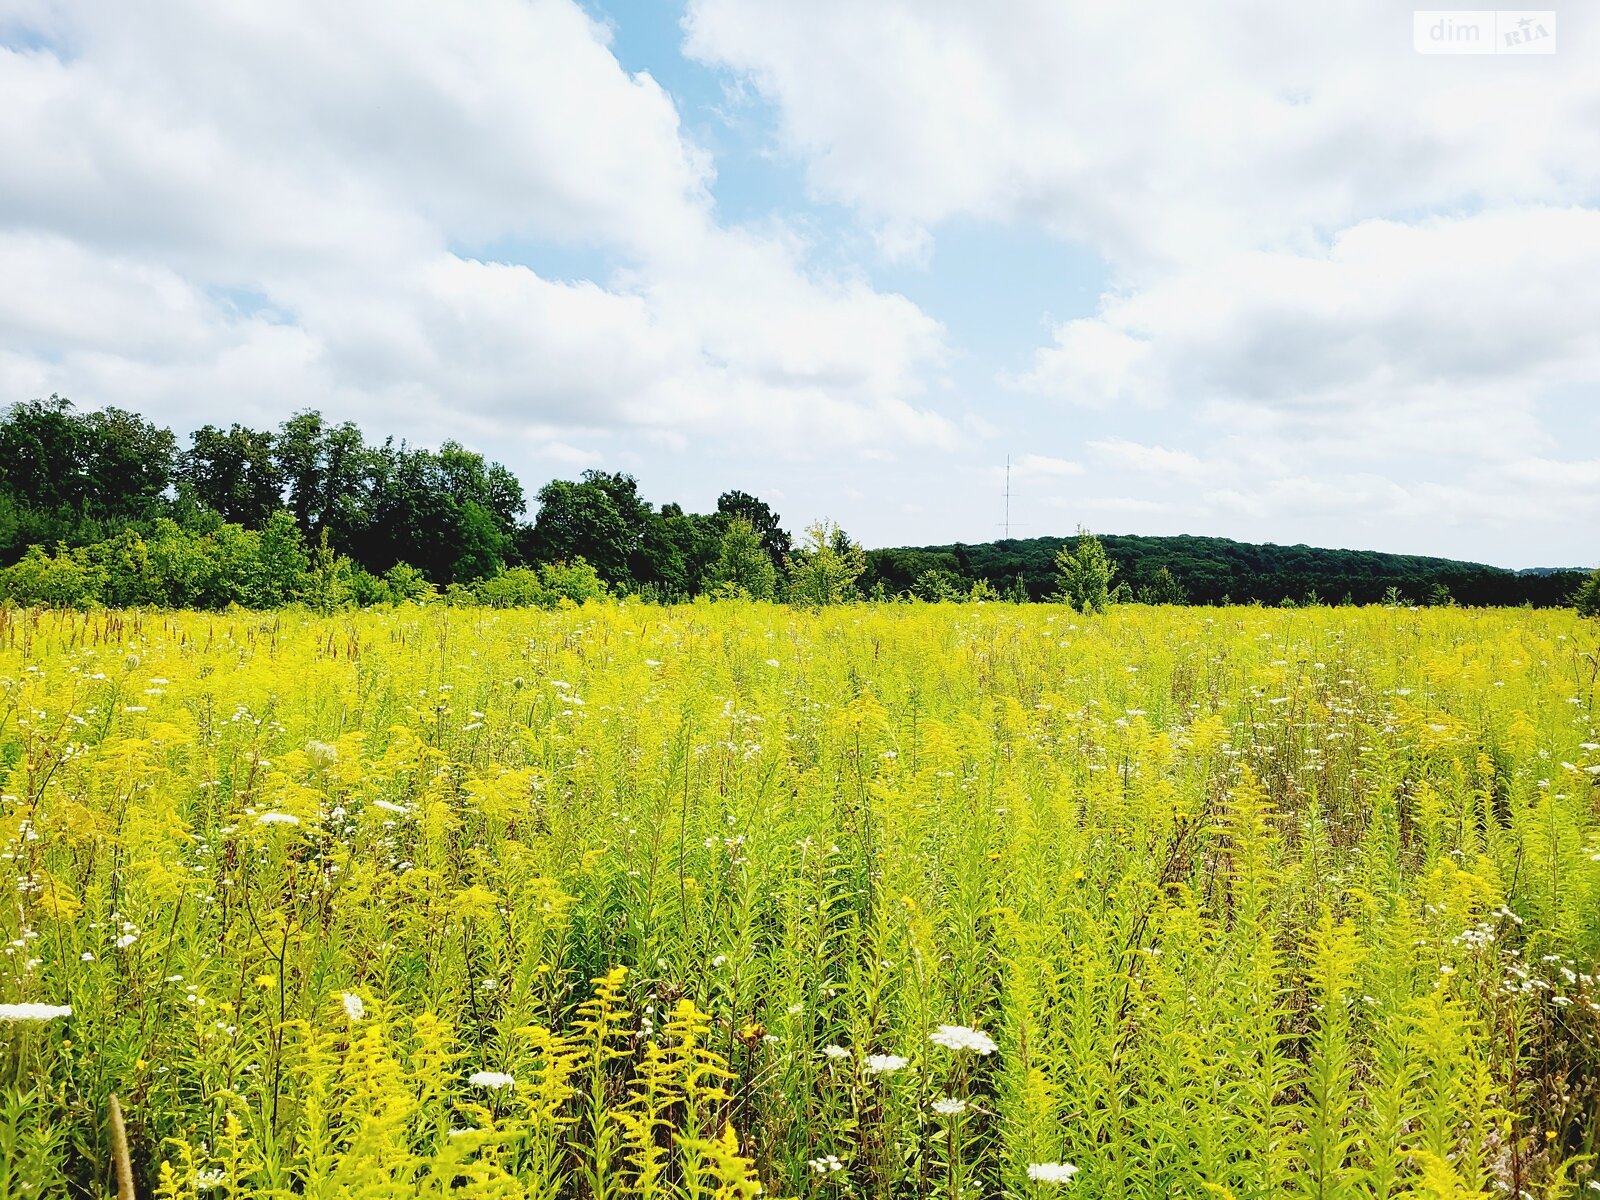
(1259, 271)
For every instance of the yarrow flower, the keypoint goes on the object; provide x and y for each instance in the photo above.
(321, 754)
(882, 1064)
(1051, 1172)
(493, 1080)
(353, 1006)
(835, 1052)
(277, 818)
(949, 1106)
(34, 1012)
(960, 1037)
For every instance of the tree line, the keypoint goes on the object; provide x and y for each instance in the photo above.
(1208, 570)
(105, 507)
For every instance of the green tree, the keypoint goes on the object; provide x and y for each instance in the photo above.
(743, 563)
(600, 519)
(763, 520)
(407, 585)
(1085, 573)
(1587, 598)
(77, 478)
(825, 566)
(233, 473)
(935, 585)
(1163, 588)
(328, 577)
(281, 573)
(326, 469)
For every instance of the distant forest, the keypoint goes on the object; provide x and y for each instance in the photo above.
(106, 507)
(1210, 570)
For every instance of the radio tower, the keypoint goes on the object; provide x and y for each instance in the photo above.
(1007, 525)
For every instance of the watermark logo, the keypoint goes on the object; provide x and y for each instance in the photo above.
(1484, 31)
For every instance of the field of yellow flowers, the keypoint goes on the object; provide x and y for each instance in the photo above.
(899, 900)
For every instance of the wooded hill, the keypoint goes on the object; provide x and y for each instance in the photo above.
(1211, 570)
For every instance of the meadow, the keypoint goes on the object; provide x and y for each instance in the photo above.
(880, 900)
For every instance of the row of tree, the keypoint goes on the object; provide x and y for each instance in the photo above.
(106, 507)
(78, 480)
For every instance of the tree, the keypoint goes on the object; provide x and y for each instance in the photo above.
(128, 464)
(935, 585)
(325, 469)
(281, 572)
(449, 513)
(742, 563)
(763, 520)
(1163, 588)
(1085, 574)
(1587, 598)
(43, 455)
(328, 579)
(824, 568)
(77, 478)
(600, 519)
(233, 473)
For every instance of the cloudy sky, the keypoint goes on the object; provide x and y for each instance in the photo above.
(1259, 271)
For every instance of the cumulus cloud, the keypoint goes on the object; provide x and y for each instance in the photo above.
(304, 204)
(1156, 134)
(1440, 335)
(1355, 279)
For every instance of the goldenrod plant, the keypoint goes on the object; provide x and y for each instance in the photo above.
(730, 899)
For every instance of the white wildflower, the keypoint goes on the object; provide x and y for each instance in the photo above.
(33, 1012)
(493, 1080)
(949, 1106)
(277, 818)
(835, 1051)
(961, 1037)
(881, 1064)
(1051, 1172)
(353, 1006)
(825, 1165)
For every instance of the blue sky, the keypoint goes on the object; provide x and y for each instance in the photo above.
(1258, 272)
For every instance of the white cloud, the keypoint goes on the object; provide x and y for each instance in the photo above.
(1158, 134)
(1155, 460)
(303, 204)
(1439, 336)
(1353, 281)
(1043, 466)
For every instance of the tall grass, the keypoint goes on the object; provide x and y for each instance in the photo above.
(636, 902)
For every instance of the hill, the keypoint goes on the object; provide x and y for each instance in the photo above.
(1211, 570)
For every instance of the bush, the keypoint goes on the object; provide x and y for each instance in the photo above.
(61, 580)
(519, 587)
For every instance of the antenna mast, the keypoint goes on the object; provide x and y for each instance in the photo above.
(1008, 498)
